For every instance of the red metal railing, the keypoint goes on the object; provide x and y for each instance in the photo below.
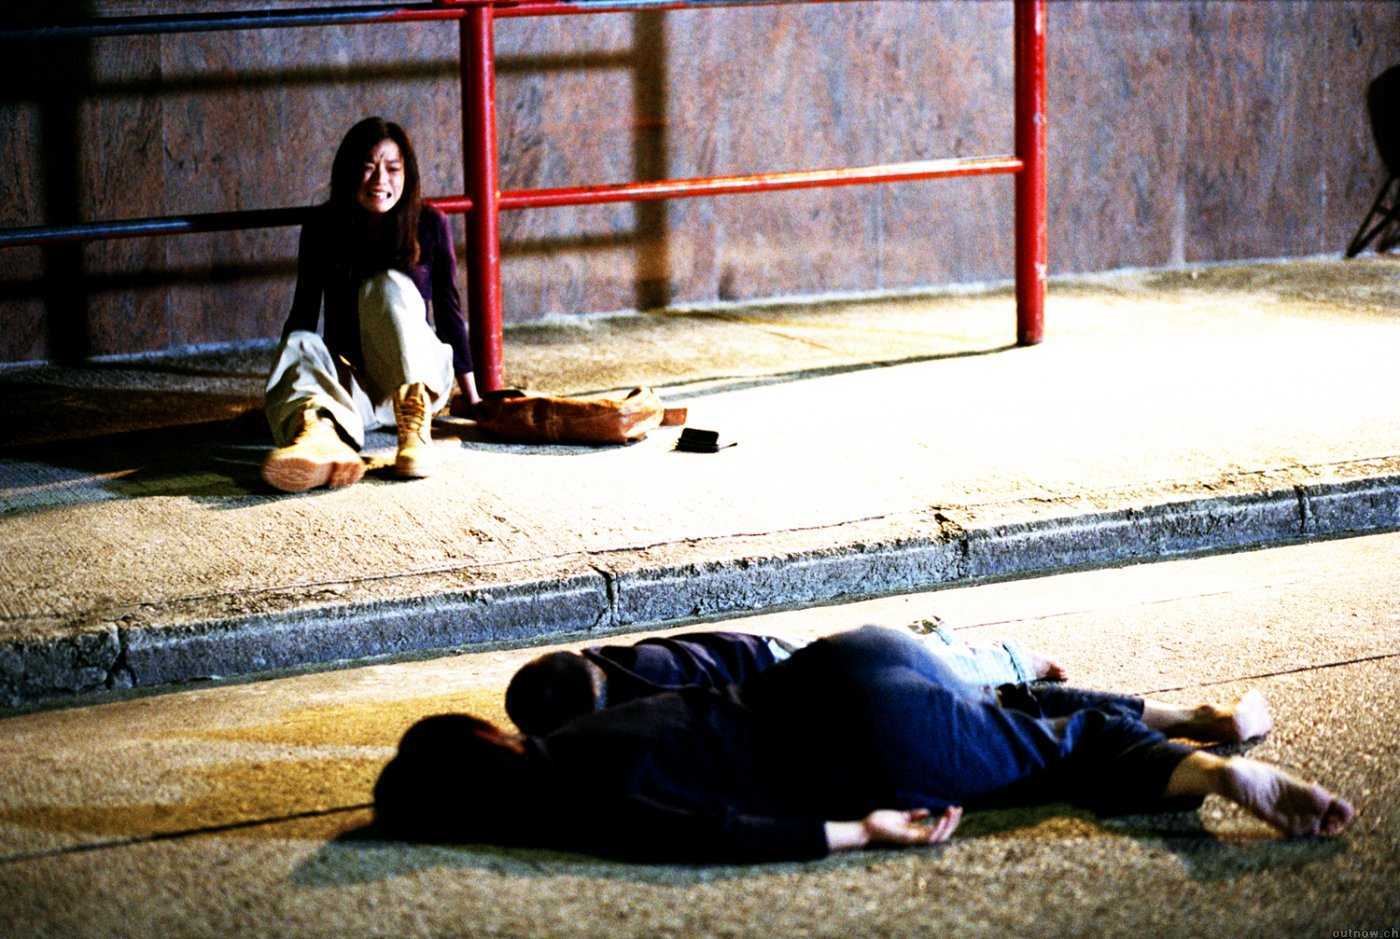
(484, 201)
(1032, 241)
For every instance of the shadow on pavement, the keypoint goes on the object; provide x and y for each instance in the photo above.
(722, 384)
(35, 413)
(361, 855)
(1207, 858)
(212, 460)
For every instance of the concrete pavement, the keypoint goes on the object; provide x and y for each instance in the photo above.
(884, 446)
(235, 809)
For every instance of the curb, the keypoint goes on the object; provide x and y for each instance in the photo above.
(449, 610)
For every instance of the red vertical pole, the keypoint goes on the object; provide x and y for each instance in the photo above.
(1032, 254)
(483, 187)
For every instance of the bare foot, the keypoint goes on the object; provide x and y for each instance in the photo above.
(1045, 667)
(1294, 807)
(1247, 719)
(1250, 717)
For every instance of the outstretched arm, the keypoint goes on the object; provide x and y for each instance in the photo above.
(637, 828)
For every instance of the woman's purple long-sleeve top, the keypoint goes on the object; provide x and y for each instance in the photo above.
(435, 276)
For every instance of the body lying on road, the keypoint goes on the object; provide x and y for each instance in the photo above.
(859, 738)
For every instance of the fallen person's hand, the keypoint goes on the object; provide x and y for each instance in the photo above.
(894, 827)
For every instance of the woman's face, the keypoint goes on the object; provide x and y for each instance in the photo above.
(381, 182)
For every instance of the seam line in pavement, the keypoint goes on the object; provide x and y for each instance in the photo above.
(178, 834)
(1316, 667)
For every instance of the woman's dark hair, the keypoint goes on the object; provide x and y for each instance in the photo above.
(373, 244)
(548, 692)
(457, 778)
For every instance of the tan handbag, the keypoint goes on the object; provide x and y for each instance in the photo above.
(514, 415)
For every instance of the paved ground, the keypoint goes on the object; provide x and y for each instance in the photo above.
(883, 447)
(233, 808)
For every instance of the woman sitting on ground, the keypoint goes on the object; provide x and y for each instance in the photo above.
(377, 256)
(857, 739)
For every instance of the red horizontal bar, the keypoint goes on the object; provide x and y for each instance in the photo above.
(505, 9)
(452, 205)
(725, 185)
(760, 182)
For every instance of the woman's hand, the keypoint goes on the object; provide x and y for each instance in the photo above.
(467, 382)
(465, 403)
(894, 827)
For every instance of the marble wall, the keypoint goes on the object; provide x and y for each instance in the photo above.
(1179, 132)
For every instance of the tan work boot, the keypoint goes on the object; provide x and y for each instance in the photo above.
(317, 456)
(415, 457)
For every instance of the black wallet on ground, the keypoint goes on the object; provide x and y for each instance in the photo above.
(695, 440)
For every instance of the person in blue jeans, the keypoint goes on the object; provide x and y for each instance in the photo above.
(857, 739)
(555, 688)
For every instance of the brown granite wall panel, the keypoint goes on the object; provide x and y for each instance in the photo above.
(1178, 132)
(945, 90)
(1255, 143)
(1117, 113)
(747, 91)
(768, 85)
(1362, 40)
(22, 331)
(254, 118)
(229, 147)
(571, 114)
(123, 177)
(79, 155)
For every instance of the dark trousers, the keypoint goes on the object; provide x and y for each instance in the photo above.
(891, 723)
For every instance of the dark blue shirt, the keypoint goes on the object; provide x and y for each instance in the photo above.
(694, 660)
